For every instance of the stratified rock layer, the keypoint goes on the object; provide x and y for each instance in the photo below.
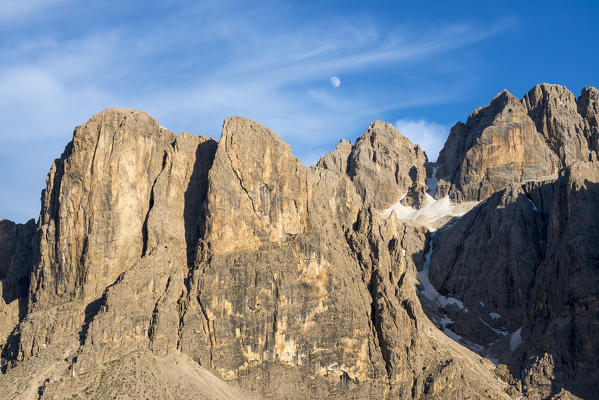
(555, 113)
(290, 302)
(588, 107)
(497, 146)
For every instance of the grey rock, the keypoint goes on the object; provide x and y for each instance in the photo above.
(588, 108)
(336, 160)
(276, 277)
(511, 141)
(15, 267)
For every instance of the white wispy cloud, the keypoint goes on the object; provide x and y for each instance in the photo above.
(429, 135)
(13, 11)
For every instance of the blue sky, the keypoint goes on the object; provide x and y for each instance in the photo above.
(420, 65)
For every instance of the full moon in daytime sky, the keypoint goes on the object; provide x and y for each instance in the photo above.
(335, 81)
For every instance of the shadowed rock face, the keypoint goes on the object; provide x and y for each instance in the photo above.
(15, 265)
(529, 255)
(563, 314)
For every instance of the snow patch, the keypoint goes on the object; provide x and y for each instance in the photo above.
(515, 339)
(431, 211)
(492, 359)
(494, 316)
(477, 348)
(429, 290)
(446, 321)
(482, 304)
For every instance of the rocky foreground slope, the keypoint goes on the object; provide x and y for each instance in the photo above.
(176, 266)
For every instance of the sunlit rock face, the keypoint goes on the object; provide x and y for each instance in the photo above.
(289, 297)
(95, 205)
(279, 278)
(588, 108)
(498, 145)
(511, 141)
(555, 113)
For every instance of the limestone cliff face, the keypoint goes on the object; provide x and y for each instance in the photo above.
(562, 316)
(554, 111)
(232, 261)
(384, 166)
(303, 309)
(270, 196)
(588, 107)
(96, 205)
(336, 160)
(124, 191)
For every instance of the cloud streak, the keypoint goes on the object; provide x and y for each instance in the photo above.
(193, 67)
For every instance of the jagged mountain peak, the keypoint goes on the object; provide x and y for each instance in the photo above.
(547, 95)
(384, 166)
(513, 140)
(588, 108)
(503, 97)
(380, 128)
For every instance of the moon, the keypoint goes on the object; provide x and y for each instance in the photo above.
(335, 81)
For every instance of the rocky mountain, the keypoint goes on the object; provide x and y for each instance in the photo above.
(177, 266)
(526, 261)
(384, 166)
(511, 141)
